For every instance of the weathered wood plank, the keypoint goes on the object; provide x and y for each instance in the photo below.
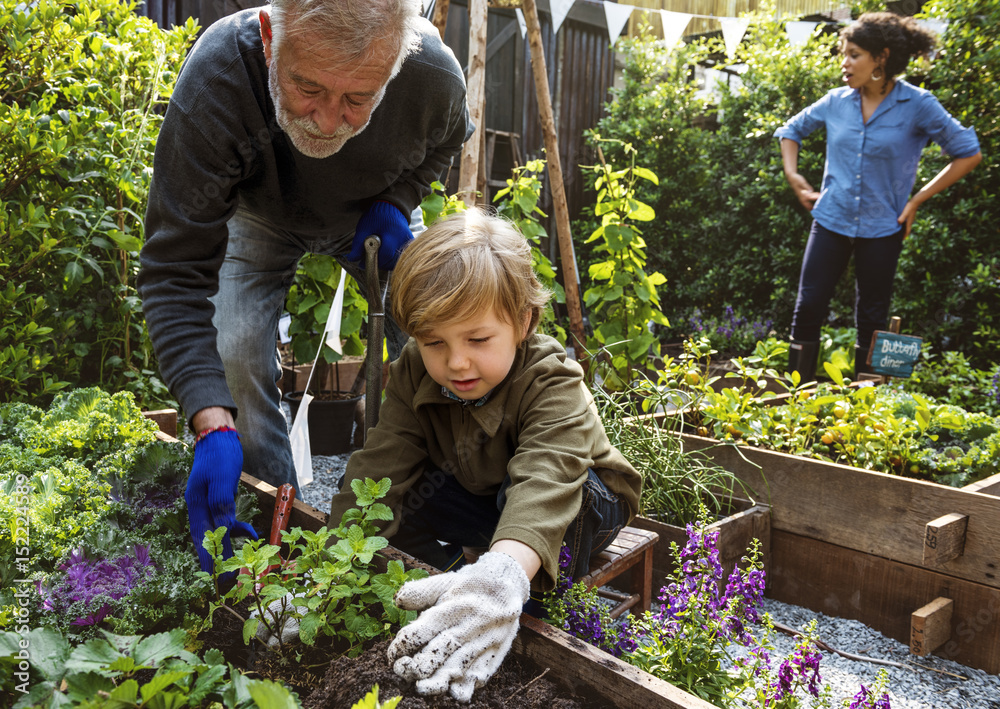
(930, 626)
(987, 486)
(594, 673)
(871, 512)
(883, 594)
(944, 539)
(165, 419)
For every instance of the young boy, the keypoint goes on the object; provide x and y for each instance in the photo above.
(491, 440)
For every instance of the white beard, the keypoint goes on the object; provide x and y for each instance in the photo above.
(302, 130)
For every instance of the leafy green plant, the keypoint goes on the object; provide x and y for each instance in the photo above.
(94, 517)
(371, 701)
(623, 297)
(951, 379)
(677, 483)
(439, 204)
(127, 671)
(732, 332)
(309, 300)
(82, 87)
(518, 202)
(326, 587)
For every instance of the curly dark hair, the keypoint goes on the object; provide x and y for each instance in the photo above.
(876, 31)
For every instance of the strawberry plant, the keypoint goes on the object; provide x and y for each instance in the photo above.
(128, 671)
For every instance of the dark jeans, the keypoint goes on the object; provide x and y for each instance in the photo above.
(438, 509)
(826, 258)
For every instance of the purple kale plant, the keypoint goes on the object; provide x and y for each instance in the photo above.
(88, 586)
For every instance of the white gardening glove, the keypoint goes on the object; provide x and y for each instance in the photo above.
(470, 621)
(289, 630)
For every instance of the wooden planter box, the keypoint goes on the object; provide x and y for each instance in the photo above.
(577, 666)
(881, 549)
(744, 523)
(295, 378)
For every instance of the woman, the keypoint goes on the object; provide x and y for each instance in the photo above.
(876, 127)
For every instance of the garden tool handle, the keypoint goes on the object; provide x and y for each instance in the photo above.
(376, 318)
(284, 499)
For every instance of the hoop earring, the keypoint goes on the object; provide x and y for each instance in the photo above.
(879, 77)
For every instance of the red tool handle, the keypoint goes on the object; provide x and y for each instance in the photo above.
(283, 501)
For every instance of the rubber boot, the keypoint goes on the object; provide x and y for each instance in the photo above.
(803, 356)
(861, 365)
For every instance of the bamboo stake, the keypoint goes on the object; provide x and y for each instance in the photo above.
(469, 173)
(564, 237)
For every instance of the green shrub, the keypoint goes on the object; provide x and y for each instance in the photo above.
(80, 88)
(729, 231)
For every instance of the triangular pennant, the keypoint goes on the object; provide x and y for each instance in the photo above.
(799, 32)
(616, 15)
(733, 29)
(331, 335)
(674, 24)
(559, 10)
(299, 439)
(520, 22)
(936, 26)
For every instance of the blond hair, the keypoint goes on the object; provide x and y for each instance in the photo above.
(464, 264)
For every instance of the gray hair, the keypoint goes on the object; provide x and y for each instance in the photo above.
(351, 30)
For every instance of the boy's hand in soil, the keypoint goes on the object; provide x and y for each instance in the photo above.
(469, 620)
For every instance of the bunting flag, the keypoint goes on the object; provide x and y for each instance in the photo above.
(936, 26)
(733, 29)
(674, 24)
(799, 32)
(520, 22)
(559, 9)
(616, 16)
(331, 334)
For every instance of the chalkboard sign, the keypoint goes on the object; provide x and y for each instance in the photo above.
(892, 354)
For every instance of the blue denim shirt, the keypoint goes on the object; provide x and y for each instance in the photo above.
(870, 168)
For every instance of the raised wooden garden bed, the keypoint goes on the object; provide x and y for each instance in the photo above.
(573, 664)
(881, 549)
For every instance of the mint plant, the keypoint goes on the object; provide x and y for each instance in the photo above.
(326, 584)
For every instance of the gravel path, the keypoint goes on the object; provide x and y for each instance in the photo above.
(926, 683)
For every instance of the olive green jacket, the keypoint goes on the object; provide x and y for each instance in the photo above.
(539, 426)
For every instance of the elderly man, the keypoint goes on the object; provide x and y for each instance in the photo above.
(305, 125)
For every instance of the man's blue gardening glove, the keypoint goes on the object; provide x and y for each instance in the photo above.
(211, 491)
(385, 221)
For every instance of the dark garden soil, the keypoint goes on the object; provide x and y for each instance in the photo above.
(514, 685)
(324, 684)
